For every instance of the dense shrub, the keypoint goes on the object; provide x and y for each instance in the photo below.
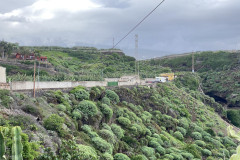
(107, 111)
(71, 150)
(88, 129)
(198, 129)
(121, 156)
(160, 150)
(106, 101)
(148, 151)
(29, 148)
(168, 157)
(191, 148)
(225, 152)
(54, 123)
(220, 134)
(210, 158)
(96, 92)
(117, 130)
(182, 130)
(234, 116)
(31, 110)
(61, 107)
(107, 135)
(76, 114)
(178, 135)
(139, 157)
(188, 156)
(88, 108)
(200, 143)
(102, 145)
(107, 156)
(206, 152)
(146, 117)
(80, 93)
(124, 121)
(5, 98)
(228, 141)
(112, 96)
(196, 136)
(210, 131)
(183, 122)
(176, 156)
(137, 129)
(86, 152)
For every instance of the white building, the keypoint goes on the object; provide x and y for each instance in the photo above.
(161, 79)
(2, 75)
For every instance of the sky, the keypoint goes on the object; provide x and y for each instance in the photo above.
(177, 26)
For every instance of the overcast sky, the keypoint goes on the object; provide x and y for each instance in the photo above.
(177, 26)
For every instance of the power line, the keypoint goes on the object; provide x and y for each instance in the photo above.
(138, 23)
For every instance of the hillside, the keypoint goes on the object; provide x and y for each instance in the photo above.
(219, 72)
(139, 123)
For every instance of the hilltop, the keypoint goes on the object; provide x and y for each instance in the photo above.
(78, 63)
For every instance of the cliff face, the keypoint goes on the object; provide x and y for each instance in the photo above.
(165, 122)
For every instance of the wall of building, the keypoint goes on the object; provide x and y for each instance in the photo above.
(2, 75)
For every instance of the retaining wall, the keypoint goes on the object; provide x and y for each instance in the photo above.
(4, 86)
(28, 85)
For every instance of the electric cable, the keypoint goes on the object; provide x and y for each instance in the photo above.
(138, 24)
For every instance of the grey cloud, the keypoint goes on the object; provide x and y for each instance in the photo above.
(9, 5)
(175, 27)
(16, 19)
(114, 3)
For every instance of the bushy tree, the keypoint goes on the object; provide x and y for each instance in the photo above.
(107, 111)
(80, 93)
(106, 101)
(117, 130)
(124, 121)
(88, 108)
(102, 145)
(178, 135)
(121, 156)
(196, 136)
(71, 150)
(112, 96)
(54, 123)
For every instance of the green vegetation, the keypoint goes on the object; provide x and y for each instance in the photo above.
(54, 123)
(235, 135)
(88, 109)
(173, 120)
(16, 145)
(79, 64)
(217, 75)
(165, 122)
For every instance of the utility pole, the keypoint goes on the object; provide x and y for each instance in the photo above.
(34, 79)
(192, 62)
(113, 43)
(38, 70)
(136, 56)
